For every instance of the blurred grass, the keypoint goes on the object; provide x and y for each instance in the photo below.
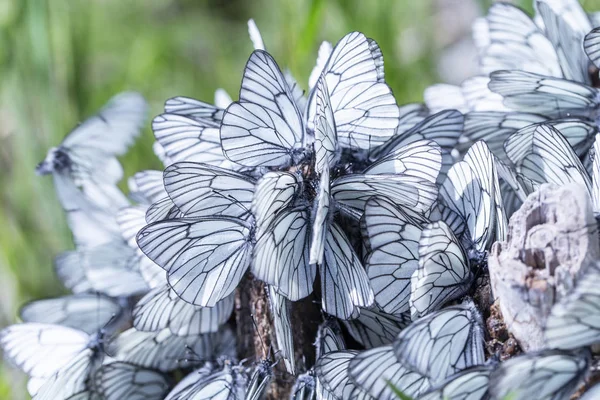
(60, 60)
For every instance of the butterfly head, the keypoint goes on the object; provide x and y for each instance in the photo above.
(56, 160)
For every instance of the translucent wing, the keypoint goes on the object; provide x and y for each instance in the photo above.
(364, 107)
(112, 130)
(226, 384)
(469, 192)
(442, 343)
(444, 128)
(595, 155)
(443, 272)
(574, 321)
(544, 95)
(39, 349)
(410, 115)
(281, 255)
(70, 379)
(196, 109)
(119, 380)
(184, 138)
(374, 328)
(86, 312)
(376, 370)
(591, 45)
(161, 210)
(161, 308)
(325, 50)
(332, 372)
(549, 374)
(274, 191)
(344, 282)
(516, 42)
(265, 127)
(280, 310)
(201, 190)
(494, 127)
(353, 191)
(147, 186)
(470, 384)
(566, 24)
(321, 217)
(393, 235)
(164, 351)
(544, 155)
(329, 338)
(205, 258)
(326, 141)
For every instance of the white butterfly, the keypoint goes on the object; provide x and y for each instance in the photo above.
(469, 384)
(443, 274)
(87, 156)
(161, 308)
(375, 328)
(284, 339)
(545, 375)
(120, 380)
(205, 258)
(58, 359)
(85, 311)
(472, 95)
(442, 343)
(574, 321)
(228, 383)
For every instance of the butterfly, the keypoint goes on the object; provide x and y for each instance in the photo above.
(547, 374)
(58, 359)
(208, 382)
(121, 380)
(574, 321)
(86, 158)
(471, 383)
(442, 343)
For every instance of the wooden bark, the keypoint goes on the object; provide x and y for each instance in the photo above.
(551, 238)
(255, 333)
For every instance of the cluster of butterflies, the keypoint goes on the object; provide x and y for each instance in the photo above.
(383, 214)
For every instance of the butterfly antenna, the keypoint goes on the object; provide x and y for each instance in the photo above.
(232, 199)
(262, 343)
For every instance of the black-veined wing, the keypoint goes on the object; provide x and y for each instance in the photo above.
(443, 274)
(274, 192)
(515, 42)
(494, 127)
(146, 187)
(364, 107)
(445, 128)
(566, 25)
(544, 156)
(280, 311)
(595, 164)
(184, 138)
(120, 380)
(304, 387)
(374, 327)
(203, 112)
(161, 308)
(329, 338)
(591, 45)
(344, 282)
(442, 343)
(574, 321)
(410, 115)
(265, 128)
(326, 141)
(48, 353)
(85, 311)
(205, 258)
(332, 372)
(377, 370)
(228, 383)
(165, 351)
(470, 384)
(552, 97)
(201, 190)
(545, 375)
(281, 254)
(393, 235)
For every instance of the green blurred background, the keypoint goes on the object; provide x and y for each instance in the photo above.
(60, 60)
